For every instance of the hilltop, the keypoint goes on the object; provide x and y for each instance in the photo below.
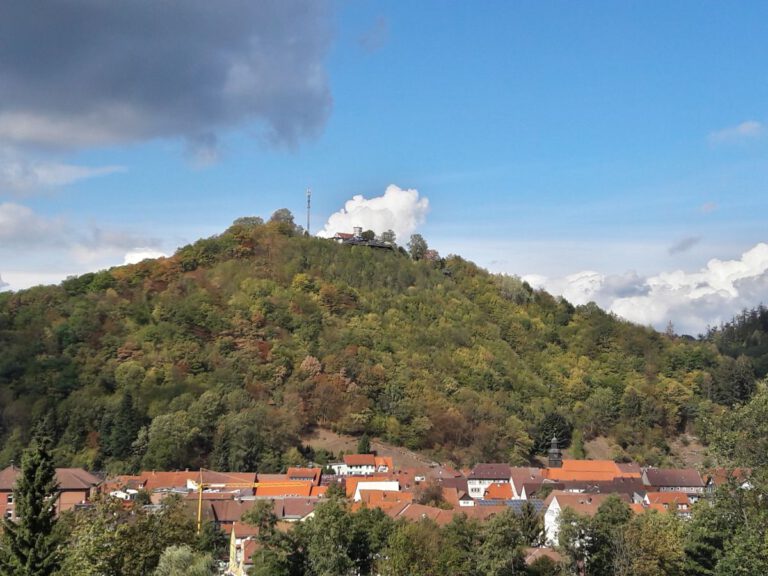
(224, 354)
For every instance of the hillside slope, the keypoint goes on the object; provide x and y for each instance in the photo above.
(225, 353)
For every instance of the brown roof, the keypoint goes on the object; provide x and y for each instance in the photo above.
(584, 504)
(674, 477)
(416, 512)
(229, 511)
(67, 478)
(295, 508)
(490, 472)
(498, 491)
(312, 474)
(360, 460)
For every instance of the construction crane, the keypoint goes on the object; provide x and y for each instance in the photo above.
(202, 486)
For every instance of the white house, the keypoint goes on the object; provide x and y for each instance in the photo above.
(483, 475)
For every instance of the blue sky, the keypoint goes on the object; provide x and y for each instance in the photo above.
(603, 150)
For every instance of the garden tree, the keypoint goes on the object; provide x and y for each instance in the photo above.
(369, 532)
(460, 541)
(413, 550)
(431, 494)
(183, 561)
(368, 235)
(531, 524)
(29, 545)
(573, 539)
(500, 553)
(96, 537)
(552, 425)
(417, 247)
(328, 539)
(125, 426)
(388, 236)
(212, 540)
(650, 545)
(604, 530)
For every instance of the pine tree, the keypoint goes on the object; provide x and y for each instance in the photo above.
(28, 546)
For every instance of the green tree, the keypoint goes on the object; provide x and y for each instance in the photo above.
(552, 425)
(417, 247)
(183, 561)
(500, 553)
(29, 545)
(605, 528)
(364, 444)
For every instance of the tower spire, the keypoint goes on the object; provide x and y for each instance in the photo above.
(309, 203)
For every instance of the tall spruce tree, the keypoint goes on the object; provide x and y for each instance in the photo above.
(28, 545)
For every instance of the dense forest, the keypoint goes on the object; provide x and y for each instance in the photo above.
(225, 353)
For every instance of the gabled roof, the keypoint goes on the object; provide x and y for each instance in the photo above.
(294, 489)
(67, 478)
(584, 504)
(673, 477)
(589, 470)
(360, 460)
(417, 512)
(675, 498)
(383, 461)
(498, 491)
(229, 511)
(312, 474)
(492, 471)
(295, 508)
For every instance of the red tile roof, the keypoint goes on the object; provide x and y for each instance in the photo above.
(360, 460)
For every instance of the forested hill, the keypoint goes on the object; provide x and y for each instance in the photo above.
(223, 354)
(745, 337)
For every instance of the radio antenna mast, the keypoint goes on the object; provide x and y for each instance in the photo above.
(309, 200)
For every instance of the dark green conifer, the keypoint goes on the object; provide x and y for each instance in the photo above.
(28, 545)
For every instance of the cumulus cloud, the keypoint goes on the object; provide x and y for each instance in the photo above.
(135, 256)
(735, 134)
(3, 285)
(399, 210)
(691, 300)
(684, 244)
(82, 73)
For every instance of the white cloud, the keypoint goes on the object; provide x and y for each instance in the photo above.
(399, 210)
(20, 176)
(691, 300)
(3, 285)
(19, 225)
(734, 134)
(140, 254)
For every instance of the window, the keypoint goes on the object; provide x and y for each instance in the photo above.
(10, 499)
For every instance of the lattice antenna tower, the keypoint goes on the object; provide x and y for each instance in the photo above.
(309, 204)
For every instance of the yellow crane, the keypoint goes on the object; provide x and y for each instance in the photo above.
(202, 486)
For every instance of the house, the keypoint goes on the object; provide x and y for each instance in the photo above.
(519, 475)
(242, 545)
(583, 504)
(677, 502)
(686, 480)
(483, 475)
(357, 465)
(75, 487)
(498, 491)
(718, 477)
(356, 486)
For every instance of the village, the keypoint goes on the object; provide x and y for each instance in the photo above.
(436, 492)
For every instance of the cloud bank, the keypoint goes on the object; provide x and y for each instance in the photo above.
(82, 73)
(402, 211)
(3, 285)
(692, 300)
